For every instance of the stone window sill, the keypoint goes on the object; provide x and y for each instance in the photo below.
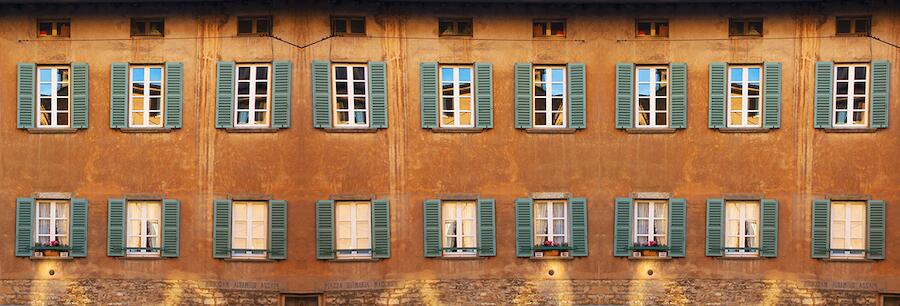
(238, 259)
(550, 131)
(733, 257)
(650, 131)
(744, 130)
(354, 260)
(52, 258)
(136, 257)
(473, 257)
(52, 131)
(850, 130)
(145, 130)
(552, 258)
(649, 258)
(351, 130)
(457, 130)
(251, 130)
(848, 260)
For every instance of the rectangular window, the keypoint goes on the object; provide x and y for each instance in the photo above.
(255, 26)
(53, 27)
(147, 27)
(52, 222)
(459, 227)
(650, 222)
(351, 98)
(551, 221)
(742, 228)
(455, 27)
(549, 96)
(146, 96)
(652, 96)
(456, 96)
(745, 27)
(354, 228)
(348, 26)
(252, 96)
(143, 229)
(848, 229)
(744, 83)
(249, 229)
(549, 28)
(652, 28)
(53, 97)
(851, 95)
(853, 25)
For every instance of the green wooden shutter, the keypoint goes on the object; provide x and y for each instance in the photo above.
(579, 226)
(80, 95)
(881, 94)
(78, 228)
(577, 96)
(428, 94)
(718, 83)
(115, 228)
(431, 210)
(622, 229)
(171, 226)
(678, 99)
(876, 232)
(118, 95)
(381, 229)
(281, 94)
(378, 114)
(174, 95)
(677, 221)
(624, 98)
(524, 227)
(224, 95)
(321, 94)
(278, 229)
(325, 229)
(24, 226)
(484, 95)
(25, 96)
(772, 95)
(487, 231)
(821, 228)
(715, 216)
(823, 97)
(221, 228)
(523, 89)
(768, 240)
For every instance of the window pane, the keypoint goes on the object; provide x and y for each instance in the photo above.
(245, 26)
(358, 26)
(843, 26)
(643, 28)
(339, 26)
(359, 73)
(263, 26)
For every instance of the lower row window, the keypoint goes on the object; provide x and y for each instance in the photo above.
(848, 229)
(459, 228)
(143, 227)
(353, 234)
(249, 229)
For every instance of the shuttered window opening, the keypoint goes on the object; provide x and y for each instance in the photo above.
(551, 227)
(652, 97)
(851, 95)
(146, 96)
(143, 228)
(249, 229)
(51, 230)
(650, 227)
(51, 227)
(650, 223)
(551, 223)
(353, 234)
(848, 229)
(53, 97)
(742, 228)
(549, 96)
(459, 228)
(457, 107)
(351, 97)
(252, 95)
(744, 96)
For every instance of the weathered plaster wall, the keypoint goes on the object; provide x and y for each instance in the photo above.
(406, 164)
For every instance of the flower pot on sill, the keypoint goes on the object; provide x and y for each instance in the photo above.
(551, 253)
(51, 253)
(652, 253)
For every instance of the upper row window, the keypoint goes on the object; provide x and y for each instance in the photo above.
(745, 27)
(853, 25)
(549, 28)
(345, 25)
(455, 27)
(652, 27)
(147, 27)
(54, 27)
(255, 25)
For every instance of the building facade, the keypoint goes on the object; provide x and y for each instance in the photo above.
(445, 152)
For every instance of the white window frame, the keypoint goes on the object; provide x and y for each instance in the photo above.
(457, 96)
(248, 235)
(651, 219)
(846, 252)
(652, 83)
(551, 219)
(459, 207)
(356, 250)
(54, 97)
(548, 97)
(251, 95)
(851, 94)
(144, 219)
(350, 95)
(742, 218)
(745, 96)
(145, 113)
(53, 235)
